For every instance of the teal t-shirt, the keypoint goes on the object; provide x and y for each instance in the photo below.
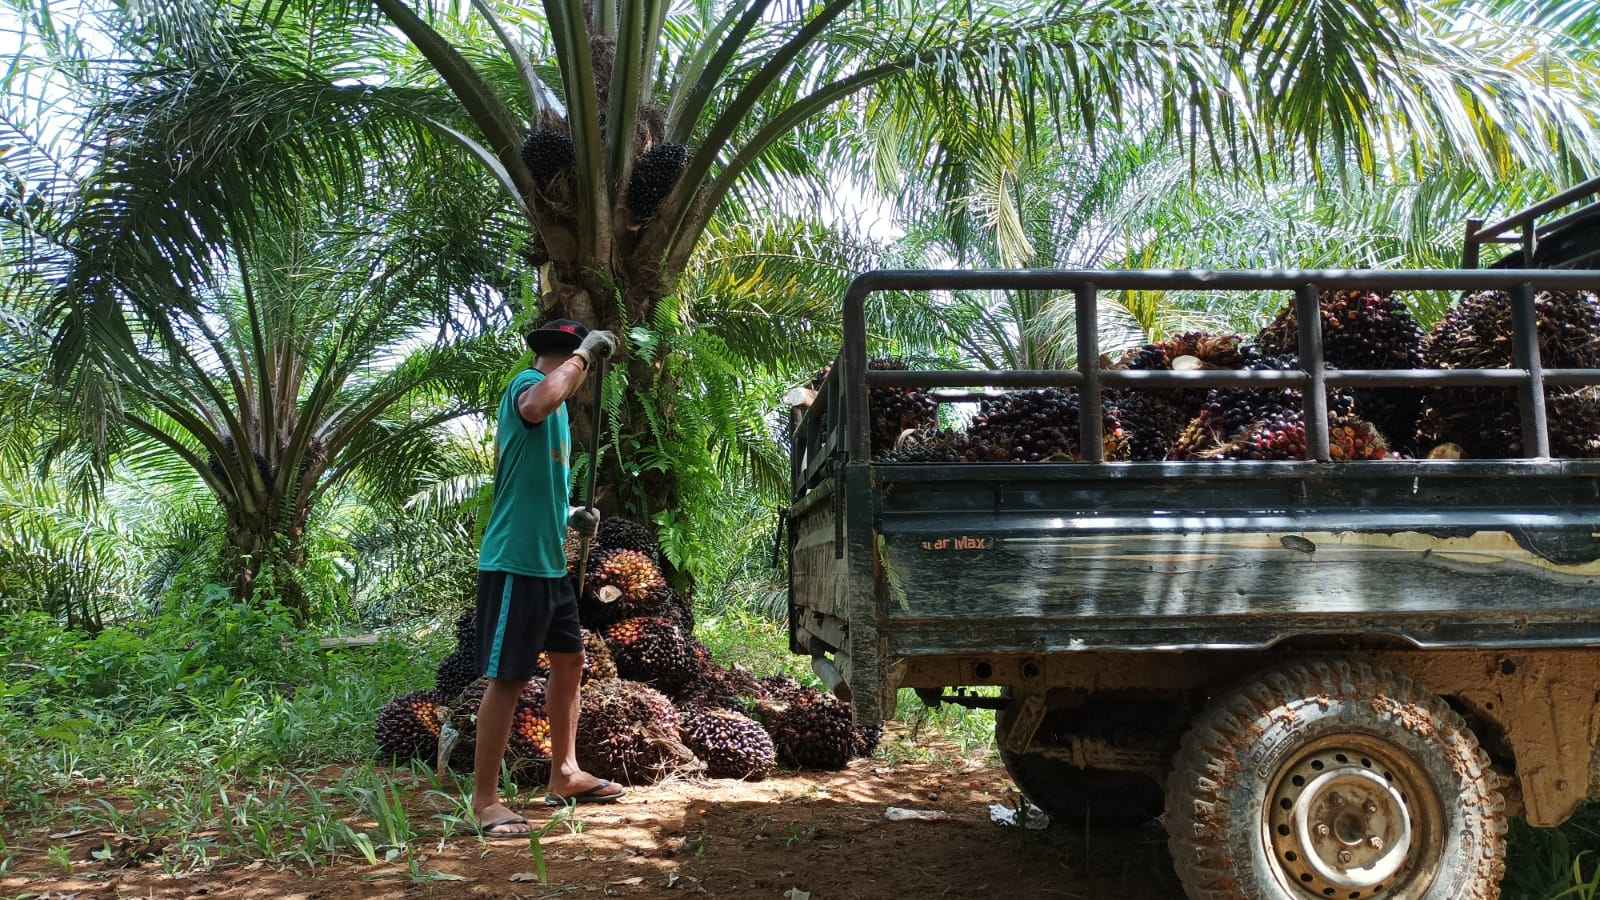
(528, 526)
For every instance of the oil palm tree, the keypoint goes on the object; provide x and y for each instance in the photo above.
(327, 344)
(650, 120)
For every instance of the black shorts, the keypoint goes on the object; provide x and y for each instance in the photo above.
(518, 617)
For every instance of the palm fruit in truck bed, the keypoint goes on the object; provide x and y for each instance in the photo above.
(927, 446)
(892, 410)
(1486, 422)
(597, 662)
(897, 410)
(653, 651)
(731, 744)
(1152, 419)
(456, 671)
(1036, 426)
(654, 174)
(628, 732)
(810, 729)
(1363, 330)
(408, 727)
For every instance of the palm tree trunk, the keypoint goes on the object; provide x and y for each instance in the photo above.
(264, 544)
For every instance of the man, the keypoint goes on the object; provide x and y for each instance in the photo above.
(526, 601)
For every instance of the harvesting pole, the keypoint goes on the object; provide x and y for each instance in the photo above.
(586, 541)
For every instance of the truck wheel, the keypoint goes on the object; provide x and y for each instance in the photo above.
(1334, 779)
(1071, 794)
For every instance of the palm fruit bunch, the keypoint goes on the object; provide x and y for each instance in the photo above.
(1228, 412)
(654, 175)
(617, 533)
(220, 472)
(927, 446)
(528, 748)
(642, 589)
(548, 152)
(810, 729)
(597, 662)
(628, 732)
(1362, 330)
(467, 629)
(895, 411)
(780, 688)
(1282, 436)
(408, 727)
(1153, 419)
(652, 651)
(731, 744)
(456, 671)
(723, 688)
(1036, 426)
(1486, 422)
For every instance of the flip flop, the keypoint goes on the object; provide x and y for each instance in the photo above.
(592, 795)
(489, 828)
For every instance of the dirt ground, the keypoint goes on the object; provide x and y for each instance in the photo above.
(822, 835)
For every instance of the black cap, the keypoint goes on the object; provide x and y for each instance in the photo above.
(557, 336)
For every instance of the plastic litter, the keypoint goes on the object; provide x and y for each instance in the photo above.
(1024, 814)
(897, 814)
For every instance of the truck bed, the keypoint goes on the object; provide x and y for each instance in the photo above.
(895, 563)
(1041, 559)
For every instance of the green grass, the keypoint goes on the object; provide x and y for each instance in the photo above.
(222, 734)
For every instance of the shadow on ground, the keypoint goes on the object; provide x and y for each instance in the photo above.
(824, 834)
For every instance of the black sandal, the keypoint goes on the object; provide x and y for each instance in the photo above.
(592, 795)
(489, 828)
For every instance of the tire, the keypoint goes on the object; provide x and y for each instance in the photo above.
(1070, 794)
(1280, 787)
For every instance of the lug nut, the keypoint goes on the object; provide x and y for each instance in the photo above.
(1370, 807)
(1323, 830)
(1375, 842)
(1336, 799)
(1344, 857)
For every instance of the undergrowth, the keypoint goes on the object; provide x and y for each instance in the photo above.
(218, 732)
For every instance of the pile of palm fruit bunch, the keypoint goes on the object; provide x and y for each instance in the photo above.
(894, 411)
(1486, 422)
(1362, 330)
(1238, 424)
(653, 703)
(1153, 419)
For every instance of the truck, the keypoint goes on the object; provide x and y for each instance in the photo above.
(1330, 679)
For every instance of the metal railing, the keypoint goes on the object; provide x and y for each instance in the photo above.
(1526, 222)
(837, 426)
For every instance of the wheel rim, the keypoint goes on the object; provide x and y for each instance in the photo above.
(1353, 817)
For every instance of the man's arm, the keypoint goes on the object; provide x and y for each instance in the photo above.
(537, 403)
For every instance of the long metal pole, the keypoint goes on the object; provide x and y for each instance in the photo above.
(586, 541)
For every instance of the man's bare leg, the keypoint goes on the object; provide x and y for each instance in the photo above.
(561, 705)
(494, 730)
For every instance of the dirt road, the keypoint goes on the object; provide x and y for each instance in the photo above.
(822, 835)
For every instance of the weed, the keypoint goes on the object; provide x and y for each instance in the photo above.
(61, 857)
